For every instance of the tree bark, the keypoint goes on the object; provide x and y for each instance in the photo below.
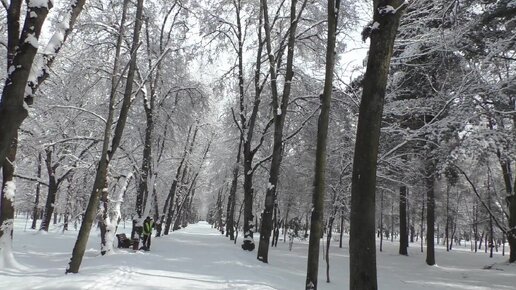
(180, 174)
(362, 245)
(35, 211)
(52, 191)
(381, 220)
(430, 213)
(447, 226)
(21, 58)
(280, 112)
(100, 184)
(319, 186)
(7, 195)
(230, 215)
(403, 221)
(22, 52)
(511, 204)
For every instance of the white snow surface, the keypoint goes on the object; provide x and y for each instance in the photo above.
(199, 257)
(39, 3)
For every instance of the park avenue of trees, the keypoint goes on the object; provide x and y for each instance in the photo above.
(249, 114)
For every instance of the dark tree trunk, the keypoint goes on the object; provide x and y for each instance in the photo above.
(422, 223)
(146, 162)
(247, 127)
(511, 205)
(447, 226)
(381, 220)
(403, 221)
(21, 55)
(230, 216)
(7, 198)
(319, 186)
(430, 213)
(52, 192)
(511, 236)
(180, 173)
(106, 155)
(35, 211)
(341, 228)
(280, 112)
(148, 106)
(328, 241)
(362, 244)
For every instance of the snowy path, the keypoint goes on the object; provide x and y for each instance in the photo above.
(199, 257)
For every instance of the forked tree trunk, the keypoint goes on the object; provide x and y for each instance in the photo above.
(21, 53)
(20, 56)
(362, 244)
(280, 112)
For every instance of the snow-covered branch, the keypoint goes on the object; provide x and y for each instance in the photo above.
(40, 69)
(81, 109)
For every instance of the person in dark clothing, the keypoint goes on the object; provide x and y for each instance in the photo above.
(148, 224)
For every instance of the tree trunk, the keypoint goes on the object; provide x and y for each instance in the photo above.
(102, 169)
(143, 184)
(511, 236)
(35, 210)
(319, 186)
(280, 112)
(21, 53)
(341, 228)
(181, 171)
(7, 194)
(230, 216)
(328, 241)
(362, 244)
(381, 220)
(447, 227)
(421, 225)
(52, 192)
(248, 242)
(403, 221)
(430, 213)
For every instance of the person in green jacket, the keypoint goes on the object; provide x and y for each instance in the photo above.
(148, 224)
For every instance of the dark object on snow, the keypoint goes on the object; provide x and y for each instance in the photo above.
(123, 241)
(136, 243)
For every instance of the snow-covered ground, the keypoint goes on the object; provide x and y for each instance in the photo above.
(199, 257)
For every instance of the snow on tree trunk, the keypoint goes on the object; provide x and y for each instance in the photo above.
(8, 193)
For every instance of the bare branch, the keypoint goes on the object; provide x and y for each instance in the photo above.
(82, 110)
